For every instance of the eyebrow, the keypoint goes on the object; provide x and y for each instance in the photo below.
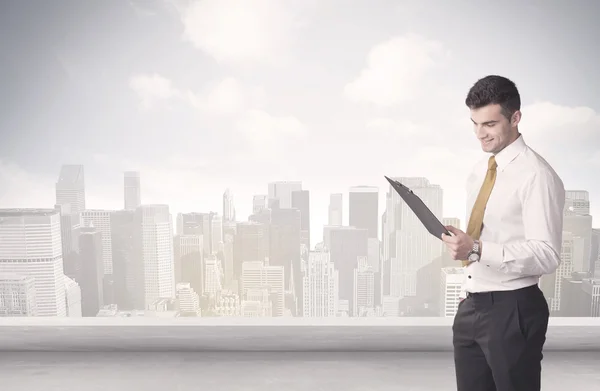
(485, 123)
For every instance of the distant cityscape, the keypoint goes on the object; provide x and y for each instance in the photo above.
(69, 261)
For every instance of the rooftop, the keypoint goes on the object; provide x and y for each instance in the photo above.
(264, 354)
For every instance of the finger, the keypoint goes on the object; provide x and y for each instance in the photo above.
(453, 229)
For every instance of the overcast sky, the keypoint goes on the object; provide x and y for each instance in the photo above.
(204, 95)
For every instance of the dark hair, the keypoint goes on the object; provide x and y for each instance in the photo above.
(495, 90)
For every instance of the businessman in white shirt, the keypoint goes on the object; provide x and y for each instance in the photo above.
(516, 202)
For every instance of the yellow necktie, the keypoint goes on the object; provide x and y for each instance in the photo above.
(476, 219)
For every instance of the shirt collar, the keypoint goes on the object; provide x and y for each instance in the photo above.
(510, 152)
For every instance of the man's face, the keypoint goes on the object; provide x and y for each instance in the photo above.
(493, 130)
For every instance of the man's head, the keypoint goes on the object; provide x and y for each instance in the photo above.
(495, 106)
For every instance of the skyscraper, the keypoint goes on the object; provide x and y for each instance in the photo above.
(363, 207)
(156, 234)
(336, 212)
(70, 188)
(132, 190)
(31, 246)
(280, 193)
(301, 201)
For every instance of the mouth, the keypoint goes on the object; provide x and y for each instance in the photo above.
(487, 142)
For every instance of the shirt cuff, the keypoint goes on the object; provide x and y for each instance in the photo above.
(492, 255)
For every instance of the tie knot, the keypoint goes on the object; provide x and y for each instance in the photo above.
(492, 163)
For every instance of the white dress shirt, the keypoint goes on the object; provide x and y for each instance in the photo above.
(522, 227)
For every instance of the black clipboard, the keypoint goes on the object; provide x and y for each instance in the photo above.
(416, 204)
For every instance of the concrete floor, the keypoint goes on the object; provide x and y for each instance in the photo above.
(229, 371)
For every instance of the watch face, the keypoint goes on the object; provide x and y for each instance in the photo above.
(474, 257)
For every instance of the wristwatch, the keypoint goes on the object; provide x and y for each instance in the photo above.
(475, 253)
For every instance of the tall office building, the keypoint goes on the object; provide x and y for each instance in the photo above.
(132, 190)
(251, 243)
(451, 286)
(17, 295)
(301, 201)
(127, 268)
(100, 220)
(256, 275)
(259, 202)
(156, 234)
(280, 193)
(73, 298)
(336, 209)
(363, 207)
(70, 225)
(408, 246)
(31, 247)
(92, 271)
(347, 246)
(228, 207)
(321, 285)
(70, 188)
(189, 261)
(364, 288)
(195, 223)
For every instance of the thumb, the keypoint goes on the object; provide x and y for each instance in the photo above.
(453, 229)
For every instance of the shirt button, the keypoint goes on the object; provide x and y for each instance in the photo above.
(469, 276)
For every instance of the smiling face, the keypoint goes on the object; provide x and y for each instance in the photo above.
(493, 129)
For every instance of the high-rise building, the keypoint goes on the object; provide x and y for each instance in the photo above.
(132, 190)
(189, 261)
(189, 301)
(321, 284)
(100, 220)
(17, 295)
(363, 207)
(228, 207)
(31, 246)
(451, 286)
(301, 201)
(73, 298)
(256, 275)
(195, 223)
(408, 246)
(156, 234)
(347, 246)
(251, 243)
(127, 268)
(259, 202)
(92, 271)
(336, 210)
(364, 288)
(280, 193)
(70, 188)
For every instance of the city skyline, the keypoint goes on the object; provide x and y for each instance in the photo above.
(164, 165)
(109, 255)
(200, 109)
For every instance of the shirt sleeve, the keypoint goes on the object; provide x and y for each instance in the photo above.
(543, 202)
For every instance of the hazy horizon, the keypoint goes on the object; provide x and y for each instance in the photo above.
(331, 95)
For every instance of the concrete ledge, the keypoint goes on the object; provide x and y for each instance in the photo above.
(262, 334)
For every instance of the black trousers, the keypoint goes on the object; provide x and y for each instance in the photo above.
(498, 339)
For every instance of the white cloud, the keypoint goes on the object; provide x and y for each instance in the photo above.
(21, 189)
(228, 97)
(239, 31)
(269, 135)
(152, 88)
(382, 127)
(395, 70)
(544, 119)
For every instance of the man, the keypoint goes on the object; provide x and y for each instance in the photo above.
(514, 236)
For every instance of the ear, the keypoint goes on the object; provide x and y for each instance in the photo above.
(515, 119)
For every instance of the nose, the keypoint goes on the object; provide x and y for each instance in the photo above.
(480, 132)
